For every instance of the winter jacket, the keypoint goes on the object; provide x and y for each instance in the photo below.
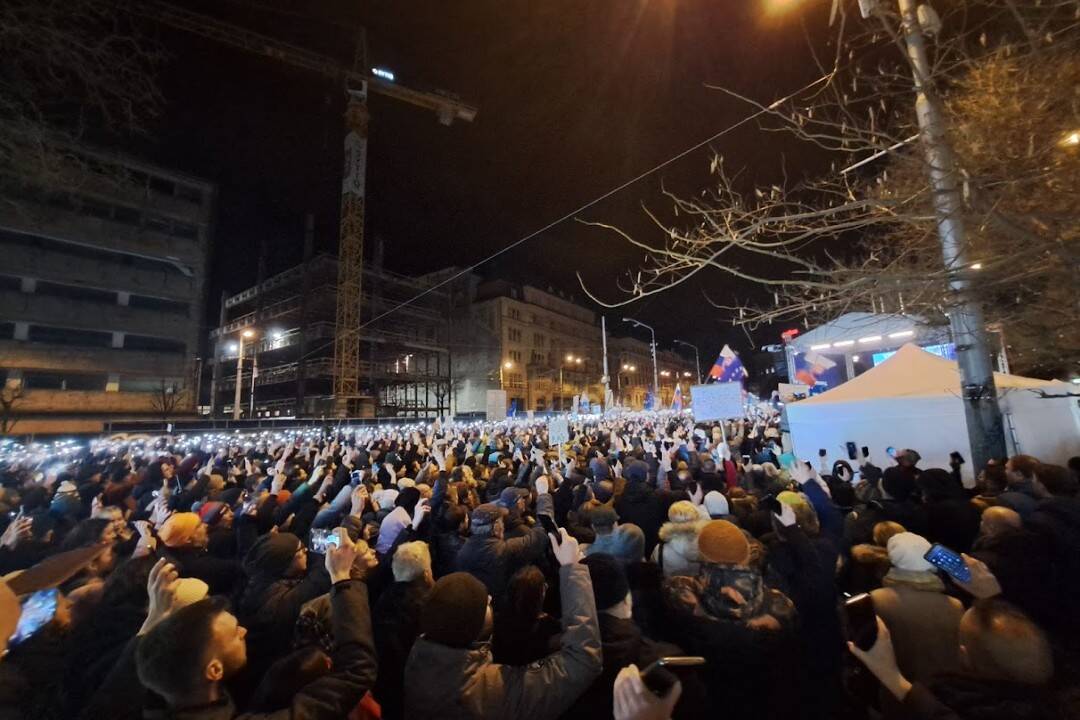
(445, 548)
(924, 623)
(860, 524)
(623, 644)
(1020, 497)
(645, 507)
(220, 574)
(269, 609)
(493, 560)
(330, 697)
(451, 683)
(957, 697)
(744, 666)
(396, 625)
(677, 551)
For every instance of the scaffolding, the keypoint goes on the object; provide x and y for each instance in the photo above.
(404, 358)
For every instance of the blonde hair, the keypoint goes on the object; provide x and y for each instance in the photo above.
(411, 560)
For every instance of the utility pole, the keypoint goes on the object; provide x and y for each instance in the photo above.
(984, 423)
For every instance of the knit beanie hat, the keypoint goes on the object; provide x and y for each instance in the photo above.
(716, 504)
(636, 471)
(454, 611)
(210, 512)
(683, 511)
(271, 555)
(906, 551)
(609, 582)
(179, 529)
(189, 591)
(723, 542)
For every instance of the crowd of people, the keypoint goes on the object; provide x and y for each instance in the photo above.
(648, 567)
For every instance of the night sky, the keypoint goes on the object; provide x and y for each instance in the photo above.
(574, 96)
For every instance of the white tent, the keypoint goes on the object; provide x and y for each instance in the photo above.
(912, 400)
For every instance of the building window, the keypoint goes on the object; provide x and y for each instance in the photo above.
(515, 355)
(514, 334)
(539, 339)
(515, 314)
(538, 358)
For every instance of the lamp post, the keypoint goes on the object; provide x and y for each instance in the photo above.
(697, 357)
(655, 372)
(246, 334)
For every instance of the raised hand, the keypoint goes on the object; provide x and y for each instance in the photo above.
(567, 552)
(161, 587)
(18, 531)
(340, 556)
(633, 701)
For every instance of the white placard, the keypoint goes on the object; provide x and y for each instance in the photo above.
(718, 401)
(496, 405)
(558, 430)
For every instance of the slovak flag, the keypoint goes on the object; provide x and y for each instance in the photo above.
(728, 367)
(676, 401)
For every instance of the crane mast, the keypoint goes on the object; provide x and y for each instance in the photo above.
(357, 81)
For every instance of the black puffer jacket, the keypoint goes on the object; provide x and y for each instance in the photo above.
(956, 697)
(645, 507)
(396, 624)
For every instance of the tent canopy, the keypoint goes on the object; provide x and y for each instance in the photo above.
(911, 372)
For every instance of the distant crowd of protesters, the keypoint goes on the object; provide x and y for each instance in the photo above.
(648, 567)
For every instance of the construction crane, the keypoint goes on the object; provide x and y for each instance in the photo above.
(357, 82)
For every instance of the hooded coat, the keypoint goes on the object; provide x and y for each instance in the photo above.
(464, 683)
(677, 550)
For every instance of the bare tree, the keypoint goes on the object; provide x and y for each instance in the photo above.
(169, 398)
(11, 395)
(862, 236)
(70, 67)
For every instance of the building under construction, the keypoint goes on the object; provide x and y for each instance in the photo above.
(282, 332)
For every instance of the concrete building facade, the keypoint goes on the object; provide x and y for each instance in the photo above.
(543, 349)
(286, 325)
(102, 290)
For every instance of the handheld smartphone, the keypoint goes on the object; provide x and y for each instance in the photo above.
(659, 680)
(771, 504)
(956, 457)
(38, 611)
(321, 539)
(851, 451)
(822, 452)
(865, 451)
(890, 451)
(745, 459)
(951, 562)
(860, 621)
(550, 527)
(356, 476)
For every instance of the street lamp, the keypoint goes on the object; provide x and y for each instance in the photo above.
(655, 373)
(245, 335)
(697, 357)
